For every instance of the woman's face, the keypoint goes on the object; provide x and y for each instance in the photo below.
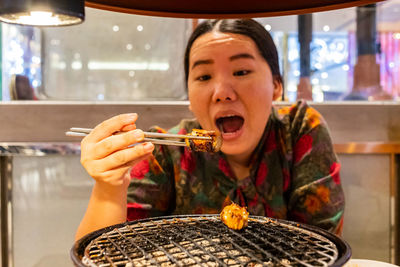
(231, 89)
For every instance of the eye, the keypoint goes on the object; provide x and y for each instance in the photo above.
(203, 78)
(241, 72)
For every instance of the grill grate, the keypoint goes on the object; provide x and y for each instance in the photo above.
(205, 241)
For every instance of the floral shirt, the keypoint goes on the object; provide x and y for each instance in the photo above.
(294, 175)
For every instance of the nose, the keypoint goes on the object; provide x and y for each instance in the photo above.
(223, 91)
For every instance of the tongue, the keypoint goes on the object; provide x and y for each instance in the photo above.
(232, 124)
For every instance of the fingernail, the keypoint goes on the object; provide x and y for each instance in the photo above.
(138, 134)
(131, 117)
(148, 147)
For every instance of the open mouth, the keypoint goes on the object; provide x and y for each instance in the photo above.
(230, 124)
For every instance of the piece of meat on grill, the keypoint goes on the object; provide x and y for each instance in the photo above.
(234, 216)
(213, 145)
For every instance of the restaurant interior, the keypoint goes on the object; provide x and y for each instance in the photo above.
(119, 60)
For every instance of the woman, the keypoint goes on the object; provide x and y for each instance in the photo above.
(277, 162)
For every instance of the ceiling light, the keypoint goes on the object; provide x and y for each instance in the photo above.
(318, 66)
(76, 65)
(326, 28)
(268, 27)
(42, 12)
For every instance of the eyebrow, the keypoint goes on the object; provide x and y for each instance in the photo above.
(242, 55)
(234, 57)
(199, 62)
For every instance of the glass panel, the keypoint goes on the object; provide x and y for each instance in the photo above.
(21, 55)
(115, 56)
(111, 56)
(329, 66)
(334, 54)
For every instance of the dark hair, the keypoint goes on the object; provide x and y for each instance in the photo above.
(247, 27)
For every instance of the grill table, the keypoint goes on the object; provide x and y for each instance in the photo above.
(203, 240)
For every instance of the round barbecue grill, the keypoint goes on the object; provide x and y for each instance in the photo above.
(203, 240)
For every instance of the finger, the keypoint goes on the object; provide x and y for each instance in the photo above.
(117, 142)
(110, 126)
(122, 157)
(118, 175)
(129, 127)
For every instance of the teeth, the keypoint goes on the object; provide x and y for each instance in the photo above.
(228, 116)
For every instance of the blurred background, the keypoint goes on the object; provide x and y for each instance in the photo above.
(115, 56)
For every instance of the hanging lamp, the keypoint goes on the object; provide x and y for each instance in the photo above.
(222, 8)
(42, 12)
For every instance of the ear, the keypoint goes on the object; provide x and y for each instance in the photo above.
(278, 88)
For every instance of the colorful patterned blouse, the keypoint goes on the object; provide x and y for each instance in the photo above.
(294, 175)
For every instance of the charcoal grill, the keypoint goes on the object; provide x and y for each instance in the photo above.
(203, 240)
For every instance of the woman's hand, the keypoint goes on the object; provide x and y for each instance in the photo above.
(107, 157)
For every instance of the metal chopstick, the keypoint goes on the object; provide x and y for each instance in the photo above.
(149, 137)
(164, 142)
(148, 134)
(154, 141)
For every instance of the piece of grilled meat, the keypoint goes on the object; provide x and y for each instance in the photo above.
(213, 145)
(234, 216)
